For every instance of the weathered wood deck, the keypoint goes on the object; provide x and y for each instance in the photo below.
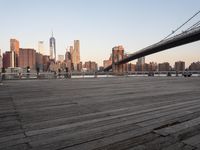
(134, 113)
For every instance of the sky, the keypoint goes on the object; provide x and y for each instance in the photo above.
(99, 25)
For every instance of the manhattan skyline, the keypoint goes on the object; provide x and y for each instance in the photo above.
(99, 25)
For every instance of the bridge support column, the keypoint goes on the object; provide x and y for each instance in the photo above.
(117, 55)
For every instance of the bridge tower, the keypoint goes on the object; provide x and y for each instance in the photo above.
(117, 55)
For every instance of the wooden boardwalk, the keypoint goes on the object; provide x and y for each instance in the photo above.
(125, 113)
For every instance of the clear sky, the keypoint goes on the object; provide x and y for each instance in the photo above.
(99, 25)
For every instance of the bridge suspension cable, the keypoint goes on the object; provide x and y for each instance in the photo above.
(174, 31)
(197, 24)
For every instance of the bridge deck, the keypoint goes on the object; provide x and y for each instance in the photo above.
(105, 113)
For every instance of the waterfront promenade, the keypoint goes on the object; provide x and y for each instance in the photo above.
(119, 113)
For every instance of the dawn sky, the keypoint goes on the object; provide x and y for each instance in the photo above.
(99, 25)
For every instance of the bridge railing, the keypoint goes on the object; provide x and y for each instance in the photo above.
(51, 75)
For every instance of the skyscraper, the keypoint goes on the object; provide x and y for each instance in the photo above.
(41, 47)
(14, 47)
(75, 54)
(52, 44)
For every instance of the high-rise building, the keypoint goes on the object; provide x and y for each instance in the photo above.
(27, 57)
(41, 47)
(9, 59)
(14, 47)
(75, 55)
(179, 66)
(52, 45)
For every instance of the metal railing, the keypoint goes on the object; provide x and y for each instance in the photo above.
(63, 75)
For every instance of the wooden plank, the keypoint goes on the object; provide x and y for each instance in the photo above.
(178, 146)
(193, 141)
(178, 127)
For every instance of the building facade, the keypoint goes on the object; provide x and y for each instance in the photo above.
(153, 66)
(131, 67)
(27, 57)
(9, 59)
(46, 62)
(91, 66)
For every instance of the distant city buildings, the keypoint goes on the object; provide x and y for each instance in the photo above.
(195, 66)
(90, 66)
(28, 57)
(52, 46)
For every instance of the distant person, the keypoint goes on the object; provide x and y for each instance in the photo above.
(3, 74)
(59, 73)
(38, 71)
(66, 73)
(28, 70)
